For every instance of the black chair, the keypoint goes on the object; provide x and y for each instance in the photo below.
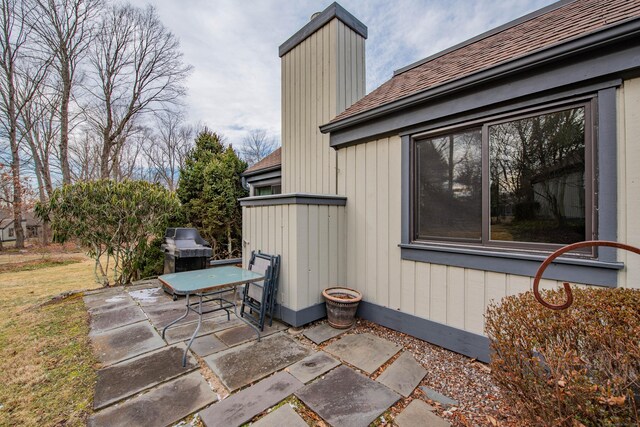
(260, 297)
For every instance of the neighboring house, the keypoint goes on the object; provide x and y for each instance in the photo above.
(33, 225)
(445, 188)
(7, 226)
(265, 177)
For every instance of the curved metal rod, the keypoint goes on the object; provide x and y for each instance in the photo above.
(563, 250)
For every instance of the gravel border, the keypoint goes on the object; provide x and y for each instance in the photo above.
(456, 376)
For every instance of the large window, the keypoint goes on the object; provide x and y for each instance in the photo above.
(518, 181)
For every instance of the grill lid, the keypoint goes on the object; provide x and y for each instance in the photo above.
(185, 243)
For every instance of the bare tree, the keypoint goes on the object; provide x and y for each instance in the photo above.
(256, 146)
(65, 29)
(130, 162)
(84, 156)
(137, 69)
(169, 148)
(21, 74)
(39, 127)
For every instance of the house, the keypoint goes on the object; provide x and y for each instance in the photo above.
(445, 188)
(7, 227)
(33, 225)
(265, 177)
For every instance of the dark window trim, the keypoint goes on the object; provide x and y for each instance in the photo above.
(275, 188)
(588, 103)
(601, 271)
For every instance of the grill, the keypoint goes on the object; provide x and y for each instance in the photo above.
(184, 250)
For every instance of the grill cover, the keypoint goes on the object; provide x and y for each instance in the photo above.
(185, 243)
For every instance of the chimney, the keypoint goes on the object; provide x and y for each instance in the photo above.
(323, 73)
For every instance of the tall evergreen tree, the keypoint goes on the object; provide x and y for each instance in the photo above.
(209, 188)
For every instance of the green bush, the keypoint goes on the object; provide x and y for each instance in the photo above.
(571, 367)
(151, 260)
(115, 221)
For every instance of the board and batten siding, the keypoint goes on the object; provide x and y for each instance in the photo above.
(309, 239)
(628, 125)
(369, 176)
(321, 77)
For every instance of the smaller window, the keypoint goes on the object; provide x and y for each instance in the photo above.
(11, 232)
(267, 190)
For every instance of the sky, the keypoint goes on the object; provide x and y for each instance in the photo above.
(233, 47)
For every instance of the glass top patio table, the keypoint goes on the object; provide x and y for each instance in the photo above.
(210, 279)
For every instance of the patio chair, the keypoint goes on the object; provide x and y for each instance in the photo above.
(260, 297)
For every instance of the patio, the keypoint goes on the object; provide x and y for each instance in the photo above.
(345, 379)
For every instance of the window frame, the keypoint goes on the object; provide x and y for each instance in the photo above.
(589, 103)
(602, 271)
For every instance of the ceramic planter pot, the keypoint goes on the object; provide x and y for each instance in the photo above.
(342, 304)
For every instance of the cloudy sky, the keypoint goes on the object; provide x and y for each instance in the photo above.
(233, 47)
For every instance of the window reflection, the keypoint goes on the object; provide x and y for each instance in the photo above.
(449, 186)
(537, 178)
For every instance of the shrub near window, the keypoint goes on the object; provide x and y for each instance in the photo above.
(580, 366)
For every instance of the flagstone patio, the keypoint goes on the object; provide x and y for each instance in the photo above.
(230, 377)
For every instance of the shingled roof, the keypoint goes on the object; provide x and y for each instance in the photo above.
(557, 24)
(271, 161)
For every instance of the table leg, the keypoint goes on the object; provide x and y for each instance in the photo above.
(186, 313)
(193, 337)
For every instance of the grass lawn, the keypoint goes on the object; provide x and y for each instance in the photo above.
(47, 369)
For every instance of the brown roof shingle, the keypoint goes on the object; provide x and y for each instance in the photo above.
(554, 27)
(273, 159)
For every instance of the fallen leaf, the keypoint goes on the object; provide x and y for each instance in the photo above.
(616, 400)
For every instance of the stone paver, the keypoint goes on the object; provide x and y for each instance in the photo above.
(323, 332)
(125, 342)
(284, 416)
(163, 314)
(182, 332)
(418, 414)
(105, 297)
(150, 296)
(243, 333)
(207, 344)
(114, 303)
(99, 291)
(134, 375)
(345, 398)
(162, 406)
(364, 351)
(403, 375)
(312, 366)
(143, 284)
(441, 398)
(103, 321)
(246, 404)
(246, 363)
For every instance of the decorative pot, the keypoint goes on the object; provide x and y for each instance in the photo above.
(342, 304)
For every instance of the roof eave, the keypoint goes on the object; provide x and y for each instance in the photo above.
(590, 41)
(263, 170)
